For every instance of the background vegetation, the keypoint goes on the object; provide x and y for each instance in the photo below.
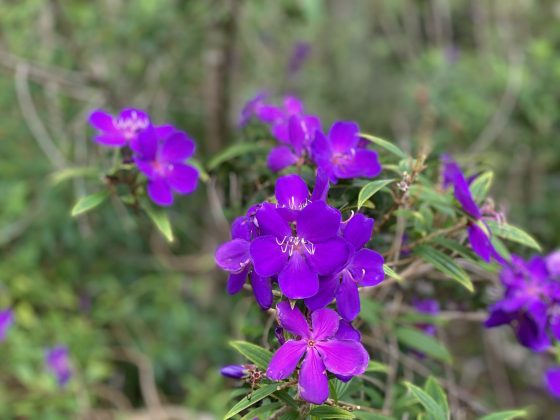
(148, 323)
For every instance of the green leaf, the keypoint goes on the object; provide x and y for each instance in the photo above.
(338, 389)
(418, 340)
(161, 221)
(445, 264)
(374, 366)
(252, 398)
(391, 273)
(259, 356)
(364, 415)
(260, 411)
(285, 397)
(439, 200)
(432, 407)
(513, 233)
(390, 147)
(326, 412)
(204, 177)
(232, 152)
(506, 415)
(69, 173)
(89, 202)
(434, 389)
(370, 189)
(481, 185)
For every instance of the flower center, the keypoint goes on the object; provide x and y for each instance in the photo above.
(291, 244)
(292, 205)
(162, 169)
(310, 343)
(343, 158)
(131, 125)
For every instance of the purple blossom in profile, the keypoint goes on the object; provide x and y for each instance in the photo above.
(478, 232)
(428, 307)
(6, 321)
(341, 154)
(278, 117)
(251, 108)
(235, 371)
(530, 303)
(161, 158)
(118, 131)
(58, 363)
(301, 251)
(364, 268)
(320, 349)
(234, 257)
(301, 131)
(292, 194)
(552, 380)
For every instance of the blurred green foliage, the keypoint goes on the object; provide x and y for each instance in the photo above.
(479, 79)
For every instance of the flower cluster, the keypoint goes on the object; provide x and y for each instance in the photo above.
(159, 152)
(341, 154)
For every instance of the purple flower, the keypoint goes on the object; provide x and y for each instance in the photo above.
(364, 268)
(342, 156)
(553, 264)
(278, 116)
(428, 307)
(301, 131)
(6, 321)
(528, 302)
(552, 379)
(478, 233)
(300, 53)
(118, 131)
(234, 257)
(292, 194)
(58, 363)
(321, 349)
(251, 108)
(161, 159)
(299, 254)
(235, 371)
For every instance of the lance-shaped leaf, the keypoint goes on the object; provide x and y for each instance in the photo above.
(390, 147)
(506, 415)
(258, 355)
(433, 409)
(326, 412)
(418, 340)
(252, 398)
(370, 189)
(513, 233)
(89, 202)
(161, 221)
(445, 264)
(232, 152)
(434, 389)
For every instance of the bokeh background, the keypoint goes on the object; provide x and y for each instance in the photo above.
(148, 323)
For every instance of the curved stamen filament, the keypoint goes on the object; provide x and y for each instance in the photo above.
(291, 244)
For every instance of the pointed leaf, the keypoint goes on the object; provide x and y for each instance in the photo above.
(232, 152)
(513, 233)
(370, 189)
(326, 412)
(374, 366)
(259, 356)
(418, 340)
(261, 411)
(445, 264)
(481, 185)
(161, 221)
(434, 389)
(432, 407)
(506, 415)
(390, 147)
(391, 273)
(252, 398)
(89, 202)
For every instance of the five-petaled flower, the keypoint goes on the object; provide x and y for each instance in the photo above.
(323, 352)
(58, 363)
(341, 154)
(161, 158)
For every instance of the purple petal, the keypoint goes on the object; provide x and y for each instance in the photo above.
(280, 157)
(145, 144)
(262, 290)
(498, 316)
(321, 152)
(366, 163)
(102, 121)
(330, 256)
(313, 382)
(271, 222)
(348, 298)
(236, 281)
(552, 379)
(234, 371)
(344, 136)
(480, 242)
(318, 222)
(325, 295)
(367, 267)
(452, 174)
(531, 327)
(58, 363)
(285, 360)
(241, 228)
(176, 148)
(291, 191)
(183, 178)
(553, 263)
(268, 258)
(6, 321)
(321, 189)
(325, 324)
(293, 105)
(269, 113)
(111, 140)
(297, 280)
(347, 332)
(280, 131)
(159, 192)
(554, 324)
(292, 320)
(343, 357)
(164, 131)
(357, 230)
(233, 255)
